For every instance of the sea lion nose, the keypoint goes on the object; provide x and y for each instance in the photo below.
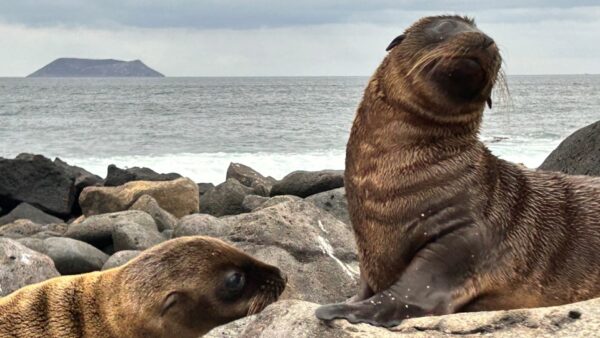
(487, 41)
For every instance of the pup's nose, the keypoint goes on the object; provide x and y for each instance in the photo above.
(487, 41)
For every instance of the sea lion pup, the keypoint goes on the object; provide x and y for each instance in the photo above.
(181, 288)
(441, 224)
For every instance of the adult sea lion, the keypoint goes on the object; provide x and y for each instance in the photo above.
(441, 224)
(181, 288)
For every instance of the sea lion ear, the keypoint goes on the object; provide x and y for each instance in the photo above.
(395, 42)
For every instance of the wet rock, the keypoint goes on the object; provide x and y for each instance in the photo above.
(117, 176)
(277, 200)
(26, 228)
(72, 256)
(28, 211)
(148, 204)
(21, 266)
(334, 202)
(200, 224)
(97, 230)
(252, 202)
(178, 197)
(578, 154)
(306, 183)
(34, 179)
(224, 199)
(132, 236)
(120, 258)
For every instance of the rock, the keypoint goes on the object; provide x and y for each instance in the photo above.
(21, 266)
(178, 197)
(204, 187)
(200, 224)
(97, 230)
(75, 67)
(36, 180)
(251, 178)
(148, 204)
(132, 236)
(252, 202)
(28, 211)
(72, 256)
(120, 258)
(82, 177)
(168, 234)
(306, 183)
(578, 154)
(35, 244)
(334, 202)
(26, 228)
(117, 176)
(296, 318)
(224, 199)
(277, 200)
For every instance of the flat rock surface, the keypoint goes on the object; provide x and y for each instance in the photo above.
(305, 183)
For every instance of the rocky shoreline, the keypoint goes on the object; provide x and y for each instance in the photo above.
(58, 219)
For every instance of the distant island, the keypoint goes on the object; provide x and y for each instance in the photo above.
(73, 67)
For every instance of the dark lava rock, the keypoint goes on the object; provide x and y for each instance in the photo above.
(75, 67)
(204, 187)
(224, 199)
(133, 236)
(28, 211)
(83, 178)
(36, 180)
(72, 256)
(120, 258)
(164, 220)
(117, 176)
(200, 224)
(252, 202)
(578, 154)
(334, 202)
(21, 266)
(251, 178)
(306, 183)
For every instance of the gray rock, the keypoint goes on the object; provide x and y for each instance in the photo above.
(132, 236)
(164, 220)
(21, 266)
(97, 230)
(252, 202)
(28, 211)
(35, 244)
(83, 179)
(224, 199)
(72, 256)
(204, 187)
(578, 154)
(251, 178)
(306, 183)
(26, 228)
(117, 176)
(277, 200)
(168, 234)
(201, 224)
(120, 258)
(334, 202)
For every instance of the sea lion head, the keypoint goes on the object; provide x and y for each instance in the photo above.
(189, 285)
(444, 63)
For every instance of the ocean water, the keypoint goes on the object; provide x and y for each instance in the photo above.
(196, 126)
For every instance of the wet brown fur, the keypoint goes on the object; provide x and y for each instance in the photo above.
(127, 301)
(411, 147)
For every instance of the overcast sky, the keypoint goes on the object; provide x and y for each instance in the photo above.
(278, 37)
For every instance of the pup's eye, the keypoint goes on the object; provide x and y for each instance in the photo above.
(235, 281)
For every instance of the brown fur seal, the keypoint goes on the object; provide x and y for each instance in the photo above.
(441, 224)
(181, 288)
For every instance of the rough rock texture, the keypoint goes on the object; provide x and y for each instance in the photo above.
(178, 197)
(578, 154)
(306, 183)
(26, 228)
(164, 220)
(120, 258)
(293, 318)
(334, 202)
(116, 176)
(224, 199)
(21, 266)
(132, 236)
(277, 200)
(251, 178)
(252, 202)
(204, 187)
(36, 180)
(28, 211)
(201, 224)
(72, 256)
(97, 230)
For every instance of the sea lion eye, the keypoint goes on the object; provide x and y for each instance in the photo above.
(235, 281)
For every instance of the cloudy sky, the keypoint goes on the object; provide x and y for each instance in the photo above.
(279, 37)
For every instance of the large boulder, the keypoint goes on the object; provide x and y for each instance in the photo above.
(251, 178)
(116, 176)
(72, 257)
(305, 183)
(97, 230)
(28, 211)
(26, 228)
(21, 266)
(334, 202)
(293, 318)
(578, 154)
(277, 200)
(83, 178)
(251, 202)
(120, 258)
(164, 220)
(225, 199)
(132, 236)
(179, 197)
(201, 224)
(36, 180)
